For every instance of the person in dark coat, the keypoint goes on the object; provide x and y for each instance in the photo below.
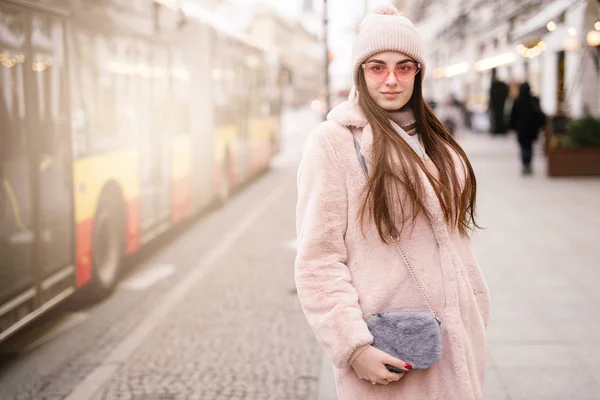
(526, 119)
(498, 96)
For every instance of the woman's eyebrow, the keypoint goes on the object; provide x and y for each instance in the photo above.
(383, 62)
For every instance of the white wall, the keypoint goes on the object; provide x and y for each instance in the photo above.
(589, 84)
(549, 84)
(591, 79)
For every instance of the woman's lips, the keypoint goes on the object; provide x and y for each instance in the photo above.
(390, 95)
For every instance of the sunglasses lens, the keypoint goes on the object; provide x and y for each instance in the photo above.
(377, 71)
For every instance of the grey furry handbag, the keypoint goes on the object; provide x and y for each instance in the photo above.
(412, 336)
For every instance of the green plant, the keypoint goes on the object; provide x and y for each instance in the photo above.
(583, 132)
(563, 142)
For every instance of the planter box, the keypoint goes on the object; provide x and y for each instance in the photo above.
(574, 162)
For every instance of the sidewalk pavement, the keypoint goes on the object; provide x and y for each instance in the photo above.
(540, 253)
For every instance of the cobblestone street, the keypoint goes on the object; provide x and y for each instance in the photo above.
(239, 334)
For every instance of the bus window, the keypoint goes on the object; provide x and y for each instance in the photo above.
(242, 84)
(253, 90)
(219, 97)
(143, 84)
(106, 126)
(225, 81)
(229, 82)
(84, 93)
(106, 90)
(260, 88)
(180, 83)
(160, 89)
(49, 80)
(122, 66)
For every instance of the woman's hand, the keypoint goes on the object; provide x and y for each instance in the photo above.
(370, 365)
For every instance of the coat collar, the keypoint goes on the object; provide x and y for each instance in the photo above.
(348, 114)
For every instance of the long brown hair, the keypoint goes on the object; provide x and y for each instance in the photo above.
(382, 192)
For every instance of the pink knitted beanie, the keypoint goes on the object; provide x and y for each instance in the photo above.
(384, 29)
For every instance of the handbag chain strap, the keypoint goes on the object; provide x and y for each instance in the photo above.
(396, 237)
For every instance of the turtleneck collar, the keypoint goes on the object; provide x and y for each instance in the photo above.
(405, 118)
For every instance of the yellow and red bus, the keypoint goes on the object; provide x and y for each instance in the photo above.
(118, 120)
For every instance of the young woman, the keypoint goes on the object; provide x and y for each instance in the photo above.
(419, 184)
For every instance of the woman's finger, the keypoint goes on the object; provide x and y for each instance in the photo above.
(379, 380)
(398, 363)
(382, 382)
(393, 377)
(394, 369)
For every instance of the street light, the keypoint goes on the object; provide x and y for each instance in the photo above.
(593, 38)
(572, 43)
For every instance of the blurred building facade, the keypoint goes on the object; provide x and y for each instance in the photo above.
(300, 53)
(552, 44)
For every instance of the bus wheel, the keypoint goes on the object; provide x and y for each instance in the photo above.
(107, 248)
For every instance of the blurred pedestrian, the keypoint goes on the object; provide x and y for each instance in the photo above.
(498, 95)
(385, 207)
(526, 118)
(450, 114)
(464, 111)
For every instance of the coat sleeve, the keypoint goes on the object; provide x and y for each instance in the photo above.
(323, 280)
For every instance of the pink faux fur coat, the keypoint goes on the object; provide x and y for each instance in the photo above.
(343, 277)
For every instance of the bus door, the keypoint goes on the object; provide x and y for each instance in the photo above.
(16, 178)
(162, 133)
(51, 151)
(152, 102)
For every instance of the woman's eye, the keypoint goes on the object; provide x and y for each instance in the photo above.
(377, 68)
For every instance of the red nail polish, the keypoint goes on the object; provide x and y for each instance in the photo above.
(408, 367)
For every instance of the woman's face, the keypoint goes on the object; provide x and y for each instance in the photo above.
(390, 78)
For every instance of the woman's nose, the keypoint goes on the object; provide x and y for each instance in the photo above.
(391, 79)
